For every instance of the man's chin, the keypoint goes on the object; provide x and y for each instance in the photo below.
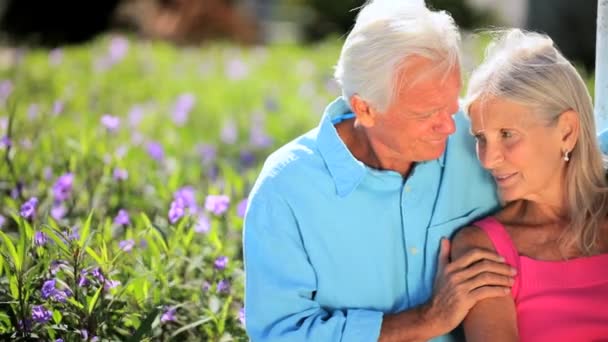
(435, 151)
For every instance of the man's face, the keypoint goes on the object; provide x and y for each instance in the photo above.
(419, 120)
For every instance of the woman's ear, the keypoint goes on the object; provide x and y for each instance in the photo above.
(568, 125)
(366, 116)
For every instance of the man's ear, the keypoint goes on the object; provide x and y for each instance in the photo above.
(366, 116)
(568, 125)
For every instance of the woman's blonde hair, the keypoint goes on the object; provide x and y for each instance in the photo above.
(527, 68)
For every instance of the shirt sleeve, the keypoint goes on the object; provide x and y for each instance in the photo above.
(280, 282)
(602, 139)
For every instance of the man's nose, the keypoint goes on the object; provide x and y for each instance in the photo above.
(445, 123)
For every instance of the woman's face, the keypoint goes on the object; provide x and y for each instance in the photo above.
(523, 152)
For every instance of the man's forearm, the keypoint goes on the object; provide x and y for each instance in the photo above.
(411, 325)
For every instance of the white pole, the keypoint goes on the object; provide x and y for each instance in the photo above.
(601, 67)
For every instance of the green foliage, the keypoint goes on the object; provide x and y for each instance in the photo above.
(75, 268)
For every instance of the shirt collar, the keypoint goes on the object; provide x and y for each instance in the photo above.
(346, 171)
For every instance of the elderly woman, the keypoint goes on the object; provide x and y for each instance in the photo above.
(532, 117)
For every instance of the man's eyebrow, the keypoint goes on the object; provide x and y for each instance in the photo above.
(475, 133)
(426, 111)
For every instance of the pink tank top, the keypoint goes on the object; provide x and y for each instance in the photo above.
(555, 300)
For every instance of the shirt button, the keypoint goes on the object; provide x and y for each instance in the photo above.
(414, 250)
(408, 189)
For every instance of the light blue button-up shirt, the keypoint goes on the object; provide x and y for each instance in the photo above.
(331, 245)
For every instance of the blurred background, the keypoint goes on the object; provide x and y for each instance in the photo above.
(51, 24)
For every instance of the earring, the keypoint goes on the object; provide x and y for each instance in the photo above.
(566, 156)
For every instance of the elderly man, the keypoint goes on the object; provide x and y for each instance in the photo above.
(343, 234)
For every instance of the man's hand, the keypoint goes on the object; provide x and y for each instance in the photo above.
(460, 284)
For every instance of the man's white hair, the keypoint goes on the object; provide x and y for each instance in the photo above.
(385, 34)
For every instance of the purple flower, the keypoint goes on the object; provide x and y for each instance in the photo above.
(28, 209)
(47, 173)
(182, 108)
(118, 49)
(63, 187)
(40, 314)
(122, 218)
(59, 340)
(221, 262)
(26, 143)
(121, 151)
(32, 111)
(236, 69)
(50, 291)
(206, 286)
(72, 234)
(168, 316)
(155, 150)
(229, 132)
(120, 174)
(257, 134)
(217, 204)
(241, 208)
(188, 197)
(83, 281)
(97, 274)
(111, 123)
(48, 288)
(271, 104)
(126, 245)
(6, 88)
(208, 153)
(40, 239)
(55, 266)
(55, 56)
(58, 107)
(136, 114)
(2, 220)
(259, 138)
(223, 286)
(202, 225)
(61, 296)
(176, 211)
(110, 284)
(5, 142)
(241, 316)
(27, 326)
(58, 211)
(247, 159)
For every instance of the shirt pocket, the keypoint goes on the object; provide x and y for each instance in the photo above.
(447, 228)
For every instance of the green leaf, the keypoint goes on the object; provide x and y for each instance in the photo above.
(146, 326)
(14, 285)
(86, 229)
(52, 234)
(213, 236)
(11, 250)
(221, 325)
(57, 316)
(158, 237)
(22, 244)
(93, 300)
(190, 326)
(94, 255)
(72, 301)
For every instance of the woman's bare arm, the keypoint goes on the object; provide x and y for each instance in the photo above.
(492, 319)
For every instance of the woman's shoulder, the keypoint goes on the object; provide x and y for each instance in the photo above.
(487, 232)
(468, 238)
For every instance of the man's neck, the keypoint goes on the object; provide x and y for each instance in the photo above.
(362, 148)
